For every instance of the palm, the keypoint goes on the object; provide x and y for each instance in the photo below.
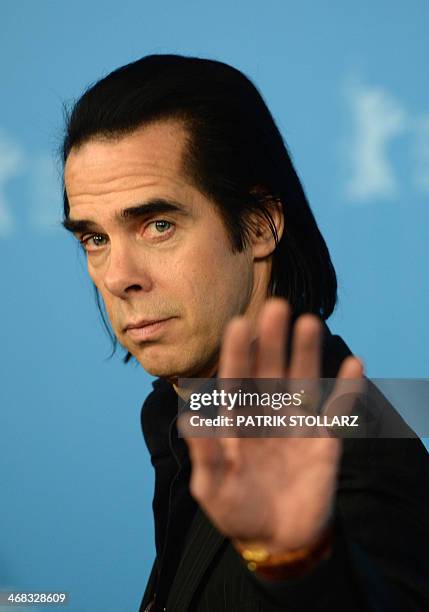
(275, 491)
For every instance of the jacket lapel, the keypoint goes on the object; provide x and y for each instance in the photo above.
(202, 544)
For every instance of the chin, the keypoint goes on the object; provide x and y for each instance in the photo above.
(160, 362)
(172, 361)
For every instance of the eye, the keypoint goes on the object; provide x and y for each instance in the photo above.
(93, 242)
(160, 229)
(161, 225)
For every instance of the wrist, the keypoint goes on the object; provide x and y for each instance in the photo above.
(290, 563)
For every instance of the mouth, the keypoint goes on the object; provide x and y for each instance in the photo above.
(146, 329)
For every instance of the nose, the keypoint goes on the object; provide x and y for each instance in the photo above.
(126, 272)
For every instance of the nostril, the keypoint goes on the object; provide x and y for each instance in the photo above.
(133, 288)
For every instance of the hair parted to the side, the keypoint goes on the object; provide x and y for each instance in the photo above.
(235, 156)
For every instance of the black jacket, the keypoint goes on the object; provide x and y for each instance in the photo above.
(380, 557)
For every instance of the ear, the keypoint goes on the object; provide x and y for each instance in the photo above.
(262, 241)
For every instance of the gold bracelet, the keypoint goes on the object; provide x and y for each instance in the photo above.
(291, 564)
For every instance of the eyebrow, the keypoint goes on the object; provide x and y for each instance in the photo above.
(155, 206)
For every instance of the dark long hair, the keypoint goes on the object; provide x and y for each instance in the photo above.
(235, 155)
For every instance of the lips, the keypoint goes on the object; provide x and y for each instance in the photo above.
(143, 323)
(146, 329)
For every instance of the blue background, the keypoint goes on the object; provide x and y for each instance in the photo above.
(348, 84)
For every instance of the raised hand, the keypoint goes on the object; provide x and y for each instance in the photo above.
(272, 492)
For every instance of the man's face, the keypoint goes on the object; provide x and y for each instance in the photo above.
(175, 268)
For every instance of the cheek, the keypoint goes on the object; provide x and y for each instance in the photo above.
(106, 297)
(215, 285)
(95, 276)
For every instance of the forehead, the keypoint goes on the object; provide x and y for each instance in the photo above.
(152, 154)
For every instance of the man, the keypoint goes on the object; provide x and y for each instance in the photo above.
(204, 249)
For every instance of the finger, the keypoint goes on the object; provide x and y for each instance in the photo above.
(207, 467)
(350, 384)
(235, 356)
(306, 347)
(352, 368)
(273, 326)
